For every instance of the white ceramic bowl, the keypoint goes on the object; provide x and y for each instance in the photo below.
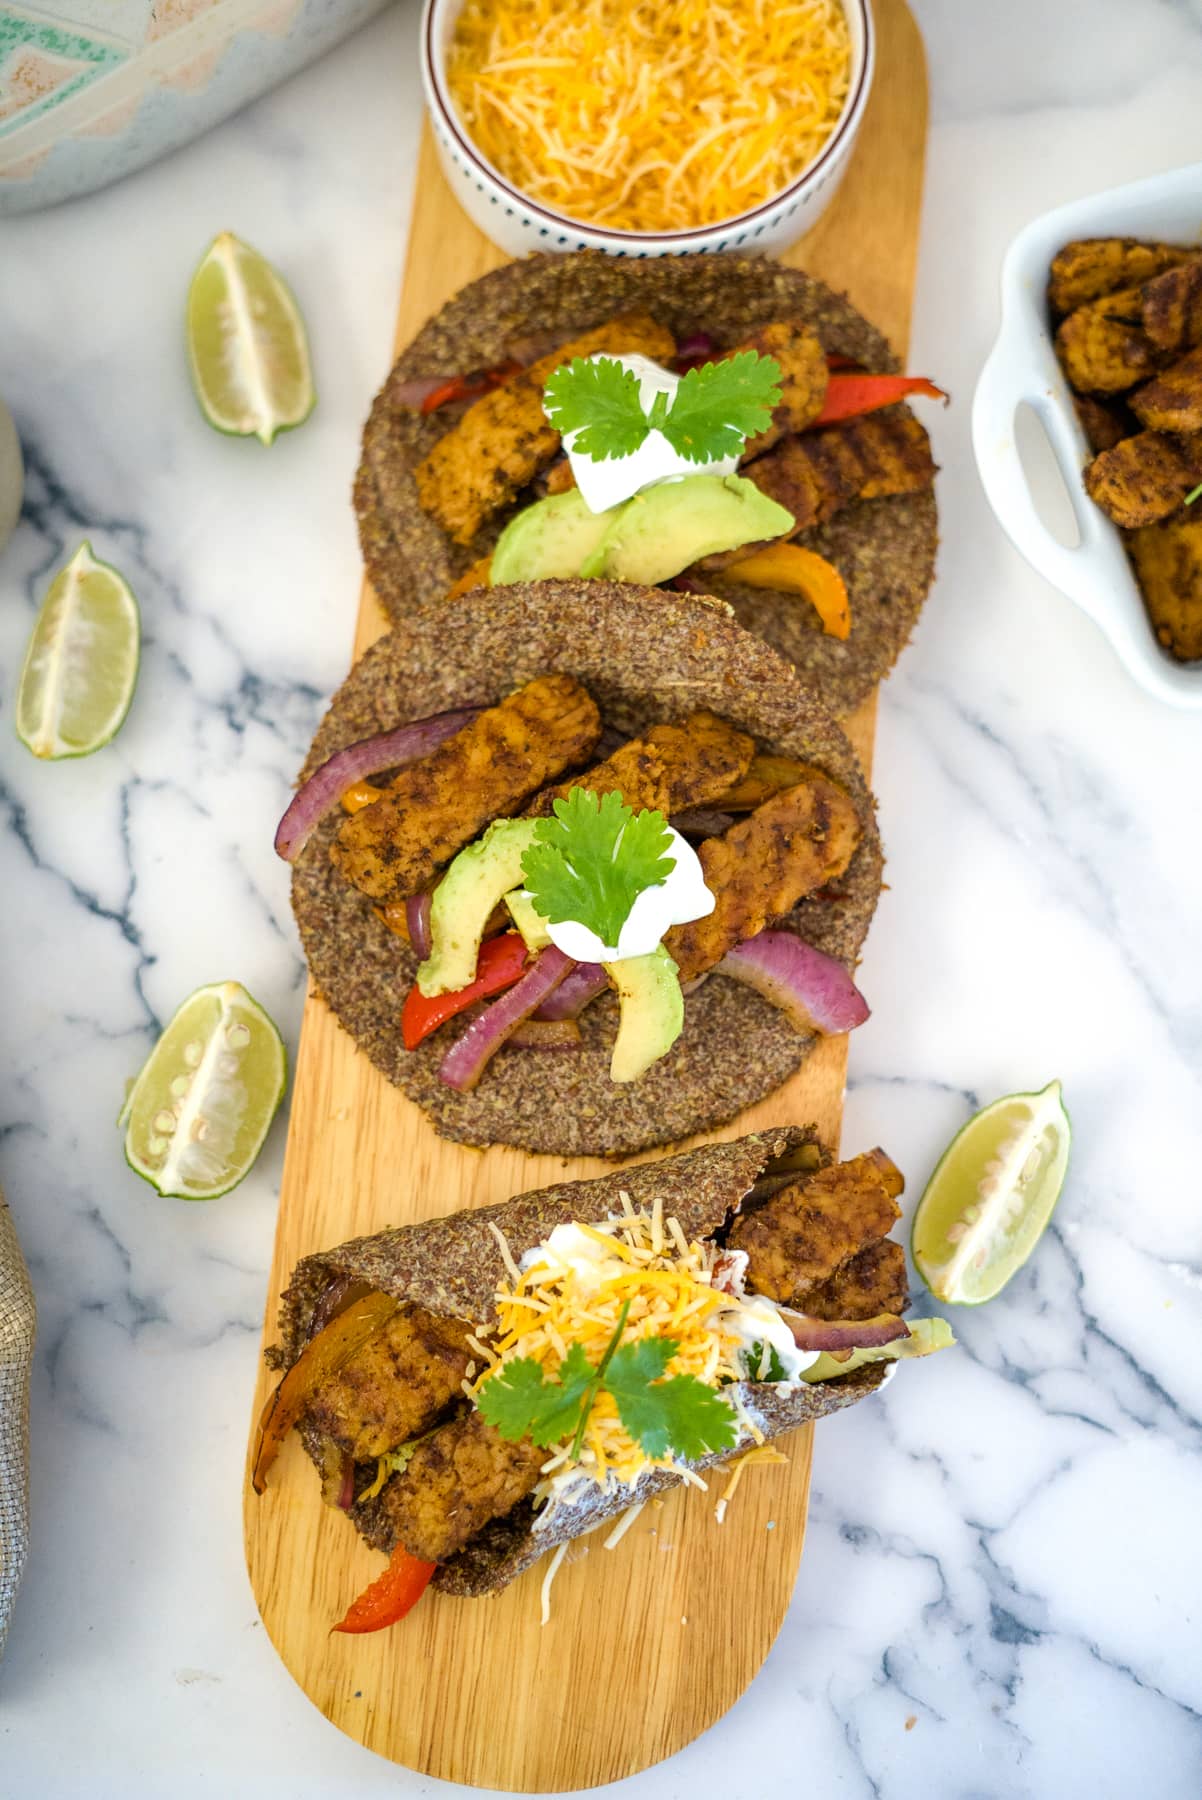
(519, 225)
(1022, 367)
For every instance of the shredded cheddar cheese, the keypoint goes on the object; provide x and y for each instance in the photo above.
(639, 1258)
(763, 1453)
(650, 115)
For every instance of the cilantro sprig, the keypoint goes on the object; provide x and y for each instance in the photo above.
(592, 860)
(713, 412)
(763, 1363)
(679, 1416)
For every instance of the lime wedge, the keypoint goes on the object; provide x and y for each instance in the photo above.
(81, 666)
(247, 347)
(986, 1205)
(198, 1113)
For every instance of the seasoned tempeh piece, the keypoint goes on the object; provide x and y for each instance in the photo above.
(505, 438)
(804, 376)
(459, 1479)
(395, 1386)
(1103, 346)
(814, 475)
(1088, 268)
(1173, 400)
(671, 768)
(804, 1233)
(1104, 422)
(1172, 306)
(794, 843)
(487, 771)
(1168, 562)
(1145, 478)
(871, 1282)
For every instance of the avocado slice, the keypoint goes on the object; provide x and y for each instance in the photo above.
(664, 529)
(554, 537)
(528, 919)
(926, 1336)
(476, 882)
(652, 1012)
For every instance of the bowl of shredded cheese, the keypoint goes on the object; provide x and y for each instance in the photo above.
(646, 127)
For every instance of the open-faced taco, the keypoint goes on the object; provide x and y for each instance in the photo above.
(495, 778)
(818, 527)
(480, 1389)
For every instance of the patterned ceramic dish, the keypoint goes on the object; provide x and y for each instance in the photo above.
(93, 89)
(1022, 369)
(519, 225)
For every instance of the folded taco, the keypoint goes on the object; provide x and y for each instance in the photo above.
(478, 1390)
(522, 436)
(582, 867)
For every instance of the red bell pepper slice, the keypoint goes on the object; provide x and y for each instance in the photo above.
(501, 962)
(469, 387)
(393, 1594)
(850, 396)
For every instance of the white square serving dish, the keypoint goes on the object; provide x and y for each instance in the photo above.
(1022, 368)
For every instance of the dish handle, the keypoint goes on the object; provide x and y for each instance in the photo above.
(1022, 370)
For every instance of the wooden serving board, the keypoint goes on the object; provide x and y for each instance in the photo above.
(649, 1643)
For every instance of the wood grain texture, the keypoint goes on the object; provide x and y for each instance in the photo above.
(664, 1632)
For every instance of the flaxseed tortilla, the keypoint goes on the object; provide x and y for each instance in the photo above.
(645, 656)
(884, 548)
(452, 1266)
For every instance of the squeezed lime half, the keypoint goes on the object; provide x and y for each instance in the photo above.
(197, 1114)
(988, 1202)
(247, 346)
(81, 666)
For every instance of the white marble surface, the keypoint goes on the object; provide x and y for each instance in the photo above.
(1000, 1593)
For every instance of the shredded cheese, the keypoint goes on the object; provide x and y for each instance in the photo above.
(548, 1578)
(650, 115)
(511, 1268)
(623, 1525)
(763, 1453)
(639, 1260)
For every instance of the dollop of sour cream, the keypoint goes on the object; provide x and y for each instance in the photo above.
(680, 899)
(606, 484)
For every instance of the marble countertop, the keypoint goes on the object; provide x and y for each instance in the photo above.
(1002, 1581)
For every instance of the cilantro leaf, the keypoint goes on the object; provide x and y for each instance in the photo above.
(599, 401)
(720, 405)
(682, 1416)
(591, 861)
(521, 1401)
(763, 1363)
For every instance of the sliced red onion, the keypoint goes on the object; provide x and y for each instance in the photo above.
(389, 750)
(533, 348)
(416, 389)
(574, 993)
(844, 1334)
(697, 347)
(701, 823)
(417, 920)
(545, 1034)
(466, 1061)
(812, 990)
(688, 584)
